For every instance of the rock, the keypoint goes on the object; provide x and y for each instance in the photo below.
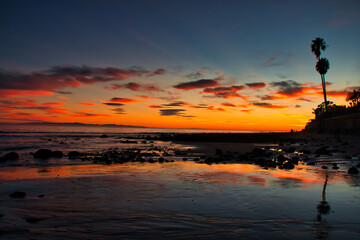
(43, 153)
(57, 154)
(161, 160)
(74, 154)
(2, 160)
(258, 152)
(290, 150)
(353, 170)
(294, 160)
(281, 158)
(324, 167)
(288, 165)
(41, 195)
(33, 219)
(11, 156)
(18, 195)
(104, 136)
(151, 160)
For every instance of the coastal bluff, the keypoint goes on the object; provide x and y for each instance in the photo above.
(345, 124)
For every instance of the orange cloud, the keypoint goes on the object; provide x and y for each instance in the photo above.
(86, 104)
(156, 106)
(15, 92)
(53, 103)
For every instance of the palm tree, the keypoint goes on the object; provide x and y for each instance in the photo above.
(317, 46)
(354, 97)
(322, 66)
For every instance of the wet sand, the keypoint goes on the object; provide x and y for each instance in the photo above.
(186, 199)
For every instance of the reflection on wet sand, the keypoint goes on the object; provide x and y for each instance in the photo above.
(176, 200)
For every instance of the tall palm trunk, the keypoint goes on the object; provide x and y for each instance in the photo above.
(324, 89)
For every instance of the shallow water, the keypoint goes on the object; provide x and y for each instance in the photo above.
(179, 200)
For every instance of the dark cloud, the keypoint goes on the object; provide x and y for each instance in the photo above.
(113, 104)
(66, 76)
(118, 110)
(136, 87)
(304, 99)
(201, 105)
(203, 83)
(225, 92)
(268, 105)
(175, 104)
(123, 100)
(289, 87)
(172, 112)
(256, 85)
(64, 92)
(228, 105)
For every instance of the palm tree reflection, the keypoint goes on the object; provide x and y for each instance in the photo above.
(321, 228)
(323, 207)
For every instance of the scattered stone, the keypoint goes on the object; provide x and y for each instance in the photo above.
(18, 194)
(353, 170)
(43, 153)
(161, 160)
(33, 219)
(151, 160)
(324, 167)
(104, 136)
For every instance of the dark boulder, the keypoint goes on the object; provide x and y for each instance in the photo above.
(11, 156)
(43, 153)
(353, 170)
(33, 219)
(288, 165)
(290, 150)
(104, 136)
(74, 154)
(18, 195)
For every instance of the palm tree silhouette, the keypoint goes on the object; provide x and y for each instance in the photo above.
(317, 46)
(322, 66)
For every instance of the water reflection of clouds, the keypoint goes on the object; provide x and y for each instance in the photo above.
(287, 182)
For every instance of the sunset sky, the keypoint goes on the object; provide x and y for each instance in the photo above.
(244, 65)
